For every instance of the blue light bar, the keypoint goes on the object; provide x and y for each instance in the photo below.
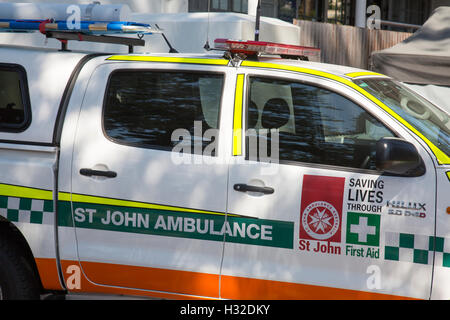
(86, 27)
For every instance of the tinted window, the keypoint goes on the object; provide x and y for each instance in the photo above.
(15, 112)
(144, 108)
(313, 125)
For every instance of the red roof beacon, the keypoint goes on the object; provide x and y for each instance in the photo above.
(255, 48)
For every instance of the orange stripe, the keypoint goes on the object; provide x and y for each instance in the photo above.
(48, 273)
(239, 288)
(184, 282)
(191, 285)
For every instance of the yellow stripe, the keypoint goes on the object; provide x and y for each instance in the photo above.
(25, 192)
(364, 74)
(221, 62)
(237, 121)
(441, 157)
(63, 196)
(448, 175)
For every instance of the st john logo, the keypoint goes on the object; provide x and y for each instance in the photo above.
(321, 208)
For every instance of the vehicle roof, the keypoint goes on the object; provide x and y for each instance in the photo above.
(338, 70)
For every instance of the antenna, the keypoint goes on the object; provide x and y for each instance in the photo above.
(206, 46)
(171, 49)
(258, 18)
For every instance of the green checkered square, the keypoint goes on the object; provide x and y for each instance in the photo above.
(12, 215)
(25, 204)
(446, 260)
(436, 243)
(420, 256)
(391, 253)
(3, 202)
(406, 240)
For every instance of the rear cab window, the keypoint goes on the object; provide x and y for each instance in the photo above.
(15, 110)
(144, 108)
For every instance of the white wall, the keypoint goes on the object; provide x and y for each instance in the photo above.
(187, 32)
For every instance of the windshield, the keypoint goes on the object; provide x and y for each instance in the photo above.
(432, 122)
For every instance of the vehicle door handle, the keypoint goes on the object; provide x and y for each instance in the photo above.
(248, 188)
(99, 173)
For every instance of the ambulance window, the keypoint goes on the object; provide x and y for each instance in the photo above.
(291, 121)
(160, 110)
(15, 113)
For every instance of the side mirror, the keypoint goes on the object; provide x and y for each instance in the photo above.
(399, 157)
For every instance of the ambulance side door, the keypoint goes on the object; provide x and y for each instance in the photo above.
(309, 214)
(147, 182)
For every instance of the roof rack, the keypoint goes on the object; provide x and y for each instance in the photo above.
(90, 31)
(64, 37)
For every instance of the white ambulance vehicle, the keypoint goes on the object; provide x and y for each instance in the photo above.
(218, 176)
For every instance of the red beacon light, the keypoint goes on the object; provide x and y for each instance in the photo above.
(254, 48)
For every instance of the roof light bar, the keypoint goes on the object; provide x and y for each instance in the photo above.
(87, 27)
(263, 47)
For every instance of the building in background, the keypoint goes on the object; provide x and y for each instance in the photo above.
(396, 15)
(344, 12)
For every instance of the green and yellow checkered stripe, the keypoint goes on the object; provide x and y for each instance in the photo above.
(417, 249)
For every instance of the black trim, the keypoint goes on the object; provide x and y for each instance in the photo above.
(98, 173)
(25, 95)
(242, 187)
(56, 226)
(77, 36)
(59, 123)
(28, 143)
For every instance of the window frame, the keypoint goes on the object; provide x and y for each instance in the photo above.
(166, 71)
(25, 95)
(204, 8)
(309, 82)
